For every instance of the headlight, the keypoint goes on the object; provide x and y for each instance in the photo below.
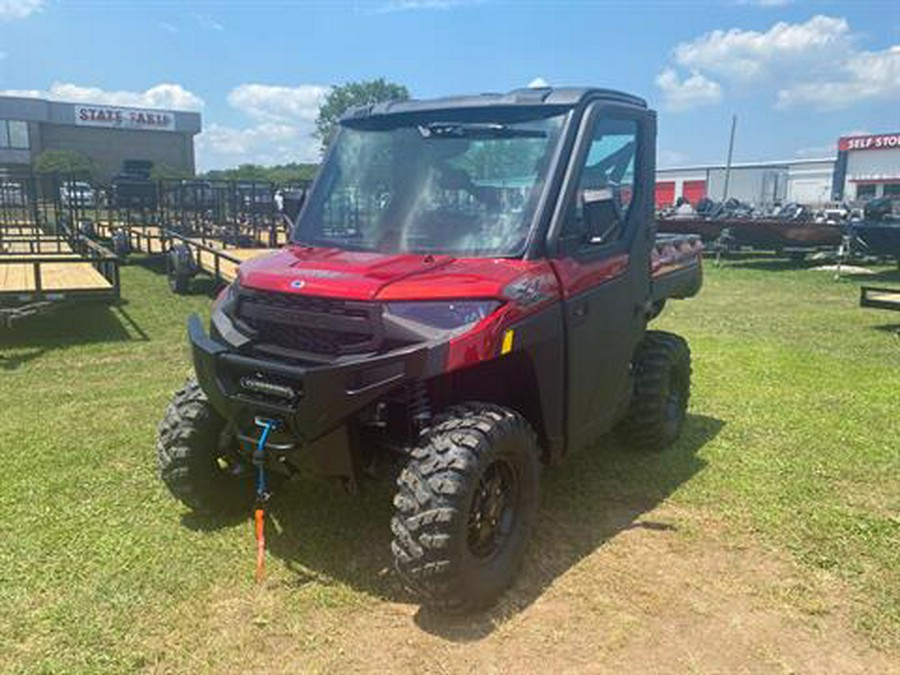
(443, 315)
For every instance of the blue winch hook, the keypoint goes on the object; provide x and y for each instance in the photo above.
(259, 456)
(262, 495)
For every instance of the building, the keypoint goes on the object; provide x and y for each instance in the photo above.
(867, 167)
(106, 134)
(808, 181)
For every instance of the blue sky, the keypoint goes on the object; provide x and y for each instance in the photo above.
(797, 73)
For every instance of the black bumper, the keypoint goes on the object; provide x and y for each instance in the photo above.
(310, 401)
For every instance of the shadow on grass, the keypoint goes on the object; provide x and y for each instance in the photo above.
(769, 263)
(67, 326)
(884, 276)
(888, 328)
(328, 537)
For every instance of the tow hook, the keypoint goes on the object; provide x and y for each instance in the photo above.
(262, 494)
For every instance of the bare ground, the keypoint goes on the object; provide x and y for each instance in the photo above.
(668, 592)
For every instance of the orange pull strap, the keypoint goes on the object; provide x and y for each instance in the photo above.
(260, 517)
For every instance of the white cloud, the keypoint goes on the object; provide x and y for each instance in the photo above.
(168, 27)
(816, 62)
(10, 10)
(281, 131)
(669, 158)
(207, 21)
(222, 146)
(414, 5)
(165, 95)
(817, 151)
(863, 76)
(693, 91)
(279, 104)
(537, 83)
(765, 3)
(746, 55)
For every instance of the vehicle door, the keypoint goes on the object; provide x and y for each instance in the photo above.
(601, 234)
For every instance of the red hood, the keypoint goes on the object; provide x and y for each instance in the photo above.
(359, 275)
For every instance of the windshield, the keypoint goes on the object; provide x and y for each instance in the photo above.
(448, 187)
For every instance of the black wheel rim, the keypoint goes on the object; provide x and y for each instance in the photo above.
(493, 512)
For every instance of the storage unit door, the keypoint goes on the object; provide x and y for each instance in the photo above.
(665, 194)
(694, 190)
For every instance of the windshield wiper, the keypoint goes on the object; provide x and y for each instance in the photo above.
(476, 130)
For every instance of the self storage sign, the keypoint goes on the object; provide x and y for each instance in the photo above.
(123, 118)
(879, 142)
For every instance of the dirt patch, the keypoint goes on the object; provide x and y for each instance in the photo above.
(669, 593)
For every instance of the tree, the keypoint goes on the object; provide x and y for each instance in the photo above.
(166, 172)
(66, 162)
(341, 98)
(281, 173)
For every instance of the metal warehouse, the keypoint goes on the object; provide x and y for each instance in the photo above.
(807, 181)
(866, 167)
(107, 134)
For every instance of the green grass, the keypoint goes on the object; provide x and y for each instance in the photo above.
(793, 437)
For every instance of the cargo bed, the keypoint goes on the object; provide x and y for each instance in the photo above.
(41, 272)
(880, 298)
(676, 269)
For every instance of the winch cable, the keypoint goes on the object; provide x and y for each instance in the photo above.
(262, 495)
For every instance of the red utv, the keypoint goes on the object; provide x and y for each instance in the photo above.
(466, 291)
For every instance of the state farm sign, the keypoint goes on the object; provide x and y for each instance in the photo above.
(879, 142)
(124, 118)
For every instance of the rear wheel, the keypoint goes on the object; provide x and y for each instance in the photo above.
(181, 267)
(465, 505)
(120, 244)
(662, 387)
(196, 456)
(179, 283)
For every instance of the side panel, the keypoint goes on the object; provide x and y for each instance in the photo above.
(606, 286)
(601, 332)
(529, 377)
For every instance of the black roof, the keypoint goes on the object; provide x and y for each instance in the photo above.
(556, 97)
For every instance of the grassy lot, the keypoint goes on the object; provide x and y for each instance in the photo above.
(792, 442)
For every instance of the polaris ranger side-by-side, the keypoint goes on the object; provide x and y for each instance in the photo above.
(466, 292)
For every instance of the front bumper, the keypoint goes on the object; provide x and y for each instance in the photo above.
(310, 401)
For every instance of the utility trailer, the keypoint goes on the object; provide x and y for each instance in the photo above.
(40, 272)
(214, 226)
(128, 217)
(217, 214)
(190, 256)
(879, 298)
(125, 238)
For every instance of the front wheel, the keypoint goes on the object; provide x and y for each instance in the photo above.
(197, 458)
(465, 505)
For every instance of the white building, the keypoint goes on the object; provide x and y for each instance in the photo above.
(808, 181)
(866, 167)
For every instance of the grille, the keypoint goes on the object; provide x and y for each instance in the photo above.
(311, 324)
